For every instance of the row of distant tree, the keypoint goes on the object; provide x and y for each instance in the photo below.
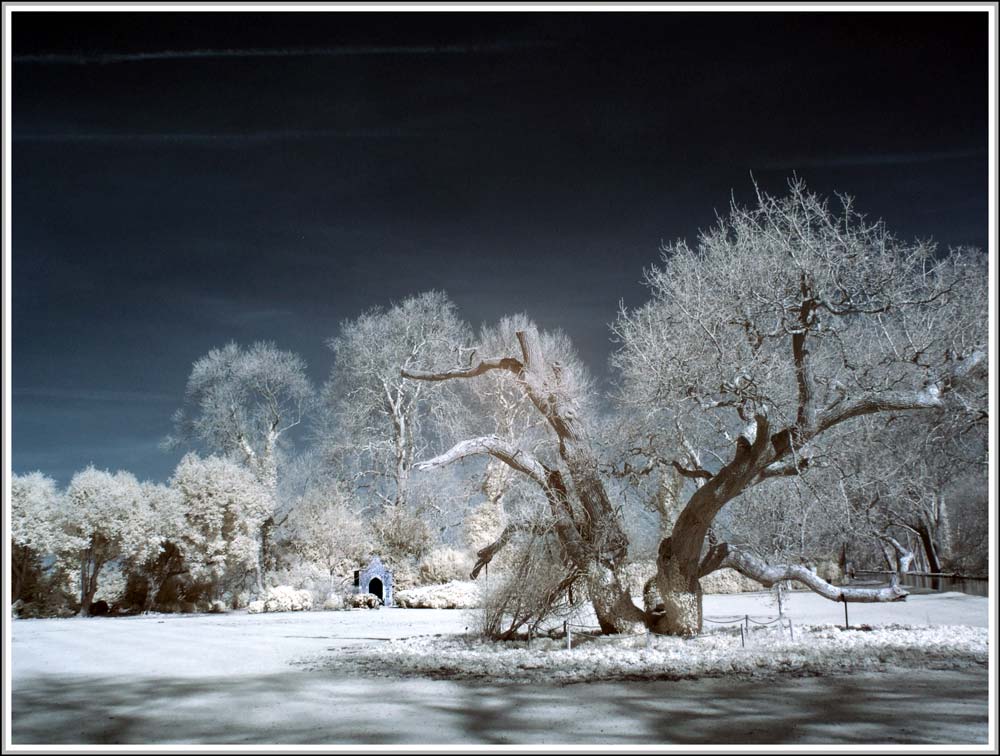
(801, 385)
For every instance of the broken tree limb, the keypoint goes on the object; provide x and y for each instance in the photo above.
(483, 366)
(767, 575)
(494, 446)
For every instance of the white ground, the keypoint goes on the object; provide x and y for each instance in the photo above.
(240, 678)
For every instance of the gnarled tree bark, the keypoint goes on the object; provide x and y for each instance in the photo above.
(591, 533)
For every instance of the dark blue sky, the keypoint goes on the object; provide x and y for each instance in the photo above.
(185, 179)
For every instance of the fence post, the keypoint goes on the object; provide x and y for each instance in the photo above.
(791, 633)
(847, 625)
(743, 640)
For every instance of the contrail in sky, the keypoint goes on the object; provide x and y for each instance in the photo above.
(222, 138)
(268, 52)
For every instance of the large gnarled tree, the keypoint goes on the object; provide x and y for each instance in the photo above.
(243, 403)
(785, 322)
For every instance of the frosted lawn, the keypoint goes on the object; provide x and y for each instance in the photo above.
(274, 678)
(816, 650)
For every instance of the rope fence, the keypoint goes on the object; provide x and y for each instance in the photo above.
(593, 633)
(746, 620)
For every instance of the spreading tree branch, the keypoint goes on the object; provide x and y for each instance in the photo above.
(767, 575)
(493, 446)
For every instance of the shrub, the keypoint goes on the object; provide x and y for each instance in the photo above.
(401, 534)
(334, 602)
(534, 590)
(364, 601)
(637, 573)
(830, 571)
(453, 595)
(483, 525)
(282, 598)
(728, 580)
(443, 565)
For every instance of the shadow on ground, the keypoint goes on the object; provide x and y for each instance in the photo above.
(320, 707)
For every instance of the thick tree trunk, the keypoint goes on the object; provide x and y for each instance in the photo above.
(20, 565)
(675, 607)
(930, 548)
(678, 561)
(89, 569)
(591, 533)
(260, 573)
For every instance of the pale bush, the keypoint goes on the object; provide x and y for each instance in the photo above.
(334, 602)
(830, 571)
(443, 565)
(304, 577)
(218, 607)
(364, 601)
(112, 585)
(728, 580)
(401, 534)
(458, 594)
(282, 598)
(483, 525)
(531, 592)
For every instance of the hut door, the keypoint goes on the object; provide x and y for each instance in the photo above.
(375, 587)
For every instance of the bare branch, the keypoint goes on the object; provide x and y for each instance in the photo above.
(496, 447)
(484, 366)
(485, 555)
(695, 473)
(785, 469)
(755, 568)
(928, 397)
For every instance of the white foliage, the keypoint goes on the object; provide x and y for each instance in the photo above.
(112, 584)
(284, 598)
(817, 649)
(325, 531)
(364, 601)
(224, 506)
(111, 514)
(443, 565)
(37, 509)
(484, 524)
(333, 602)
(728, 580)
(378, 415)
(241, 402)
(453, 595)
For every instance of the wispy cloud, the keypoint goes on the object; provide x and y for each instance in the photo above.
(90, 395)
(887, 158)
(221, 139)
(274, 52)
